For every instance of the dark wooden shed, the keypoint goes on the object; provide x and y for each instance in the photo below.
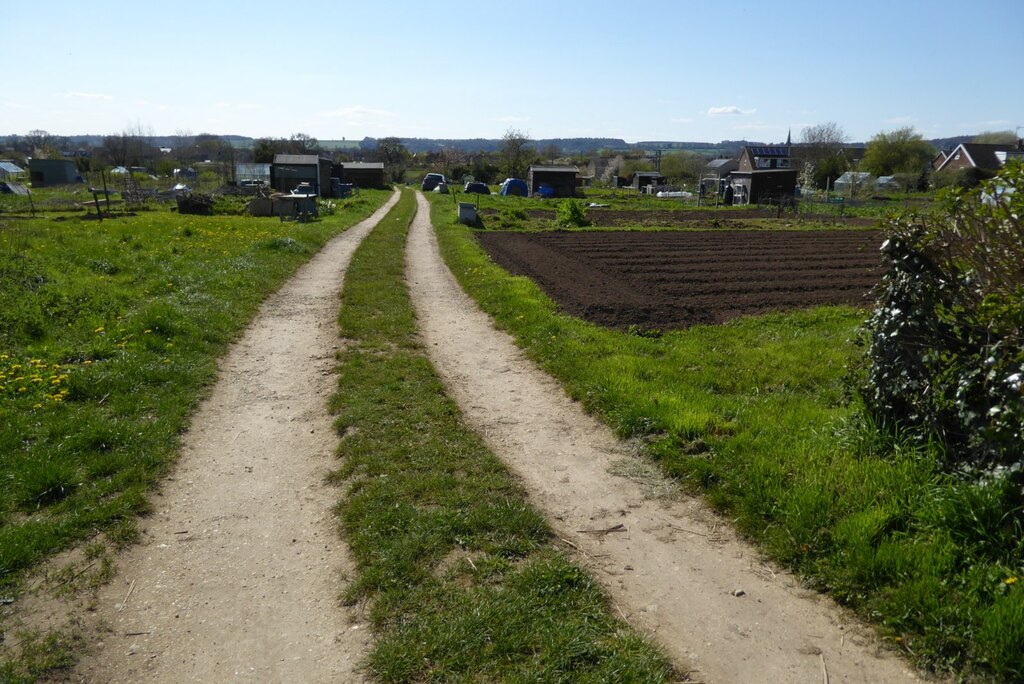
(564, 179)
(46, 172)
(288, 170)
(360, 174)
(754, 187)
(642, 179)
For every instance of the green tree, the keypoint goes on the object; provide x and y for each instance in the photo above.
(516, 153)
(683, 166)
(902, 151)
(996, 137)
(264, 150)
(392, 152)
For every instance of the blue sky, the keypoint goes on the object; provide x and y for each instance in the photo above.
(549, 68)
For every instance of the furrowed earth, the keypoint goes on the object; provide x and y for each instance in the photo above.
(677, 279)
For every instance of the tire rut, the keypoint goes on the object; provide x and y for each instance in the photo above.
(670, 566)
(240, 567)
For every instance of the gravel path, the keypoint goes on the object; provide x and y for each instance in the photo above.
(240, 569)
(671, 569)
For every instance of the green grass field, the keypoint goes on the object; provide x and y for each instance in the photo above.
(759, 416)
(109, 333)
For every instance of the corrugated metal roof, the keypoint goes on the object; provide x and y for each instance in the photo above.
(362, 165)
(10, 167)
(563, 169)
(310, 159)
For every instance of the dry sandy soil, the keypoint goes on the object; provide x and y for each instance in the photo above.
(240, 569)
(671, 567)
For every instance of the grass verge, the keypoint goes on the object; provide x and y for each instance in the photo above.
(757, 416)
(109, 334)
(460, 572)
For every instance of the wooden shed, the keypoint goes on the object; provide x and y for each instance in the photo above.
(288, 170)
(46, 172)
(642, 179)
(564, 179)
(754, 187)
(361, 174)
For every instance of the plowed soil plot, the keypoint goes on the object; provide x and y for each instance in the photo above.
(669, 280)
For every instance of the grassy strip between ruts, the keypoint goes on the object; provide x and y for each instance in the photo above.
(460, 572)
(109, 335)
(757, 414)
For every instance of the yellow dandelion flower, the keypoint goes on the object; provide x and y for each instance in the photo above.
(23, 389)
(37, 406)
(98, 330)
(1011, 580)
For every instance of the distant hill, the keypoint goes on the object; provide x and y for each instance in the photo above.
(567, 146)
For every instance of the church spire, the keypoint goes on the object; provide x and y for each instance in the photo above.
(789, 137)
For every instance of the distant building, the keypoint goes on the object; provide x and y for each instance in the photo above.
(983, 156)
(249, 174)
(360, 174)
(764, 173)
(642, 179)
(562, 179)
(721, 168)
(10, 171)
(288, 170)
(49, 172)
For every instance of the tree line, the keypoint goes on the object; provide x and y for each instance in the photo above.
(822, 153)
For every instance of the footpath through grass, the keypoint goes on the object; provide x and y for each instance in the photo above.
(109, 334)
(460, 573)
(757, 414)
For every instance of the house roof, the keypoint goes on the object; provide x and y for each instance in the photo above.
(981, 155)
(310, 159)
(781, 151)
(719, 163)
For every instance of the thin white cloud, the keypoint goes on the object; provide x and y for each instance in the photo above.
(89, 96)
(681, 120)
(730, 110)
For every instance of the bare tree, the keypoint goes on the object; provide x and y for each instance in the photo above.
(305, 143)
(821, 147)
(37, 138)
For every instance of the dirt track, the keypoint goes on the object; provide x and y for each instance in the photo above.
(239, 572)
(671, 568)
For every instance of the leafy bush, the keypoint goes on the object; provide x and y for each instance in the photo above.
(572, 213)
(946, 356)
